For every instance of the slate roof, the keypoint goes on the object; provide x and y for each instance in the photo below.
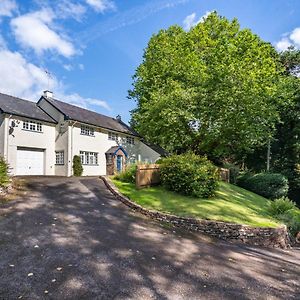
(157, 148)
(82, 115)
(23, 108)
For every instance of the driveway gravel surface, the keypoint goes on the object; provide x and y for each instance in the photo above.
(69, 238)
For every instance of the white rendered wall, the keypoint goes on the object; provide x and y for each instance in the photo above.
(24, 138)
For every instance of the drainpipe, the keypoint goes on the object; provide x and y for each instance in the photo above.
(7, 137)
(72, 146)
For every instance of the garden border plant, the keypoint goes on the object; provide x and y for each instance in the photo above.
(189, 174)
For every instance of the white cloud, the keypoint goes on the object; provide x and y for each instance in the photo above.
(67, 9)
(191, 20)
(22, 78)
(295, 36)
(101, 5)
(26, 80)
(128, 17)
(283, 44)
(288, 40)
(7, 7)
(81, 67)
(33, 30)
(68, 67)
(78, 100)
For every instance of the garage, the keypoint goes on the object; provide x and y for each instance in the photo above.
(30, 161)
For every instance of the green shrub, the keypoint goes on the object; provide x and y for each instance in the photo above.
(285, 211)
(292, 220)
(189, 174)
(281, 206)
(4, 178)
(77, 166)
(269, 185)
(128, 175)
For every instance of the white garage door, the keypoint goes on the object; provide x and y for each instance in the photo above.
(30, 161)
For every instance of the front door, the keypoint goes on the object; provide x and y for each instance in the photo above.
(119, 163)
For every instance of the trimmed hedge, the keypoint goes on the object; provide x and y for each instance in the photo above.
(189, 174)
(269, 185)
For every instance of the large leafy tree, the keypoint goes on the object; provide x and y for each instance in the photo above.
(212, 89)
(286, 146)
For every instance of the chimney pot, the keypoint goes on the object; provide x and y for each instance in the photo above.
(48, 94)
(118, 117)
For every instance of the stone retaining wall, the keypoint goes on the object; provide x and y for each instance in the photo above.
(261, 236)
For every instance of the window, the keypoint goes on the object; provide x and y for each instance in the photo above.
(59, 157)
(130, 140)
(86, 130)
(112, 136)
(32, 126)
(89, 158)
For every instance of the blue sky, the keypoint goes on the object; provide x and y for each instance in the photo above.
(92, 47)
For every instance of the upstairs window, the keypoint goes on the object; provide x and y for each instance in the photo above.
(32, 126)
(112, 136)
(87, 130)
(130, 140)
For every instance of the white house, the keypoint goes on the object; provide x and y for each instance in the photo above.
(42, 138)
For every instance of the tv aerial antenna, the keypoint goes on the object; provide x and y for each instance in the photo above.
(49, 76)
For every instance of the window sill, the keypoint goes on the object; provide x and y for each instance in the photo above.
(90, 165)
(87, 135)
(59, 164)
(32, 130)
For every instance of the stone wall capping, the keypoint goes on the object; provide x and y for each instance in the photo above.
(259, 236)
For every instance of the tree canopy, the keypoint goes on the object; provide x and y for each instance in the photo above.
(211, 90)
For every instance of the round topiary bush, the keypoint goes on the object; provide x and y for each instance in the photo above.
(189, 174)
(269, 185)
(77, 166)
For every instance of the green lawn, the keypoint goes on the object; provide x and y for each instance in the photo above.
(231, 204)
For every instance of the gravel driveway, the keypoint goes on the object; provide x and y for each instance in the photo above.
(68, 238)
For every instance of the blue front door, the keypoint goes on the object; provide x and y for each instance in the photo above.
(119, 163)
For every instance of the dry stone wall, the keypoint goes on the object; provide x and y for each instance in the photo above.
(260, 236)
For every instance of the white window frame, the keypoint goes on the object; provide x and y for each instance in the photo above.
(32, 126)
(87, 130)
(89, 158)
(130, 140)
(113, 136)
(59, 158)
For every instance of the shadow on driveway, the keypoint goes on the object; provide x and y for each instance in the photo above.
(79, 242)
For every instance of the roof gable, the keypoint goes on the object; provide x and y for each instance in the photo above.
(113, 150)
(82, 115)
(23, 108)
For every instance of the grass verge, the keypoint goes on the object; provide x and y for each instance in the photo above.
(230, 204)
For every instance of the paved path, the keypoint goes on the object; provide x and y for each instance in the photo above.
(80, 243)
